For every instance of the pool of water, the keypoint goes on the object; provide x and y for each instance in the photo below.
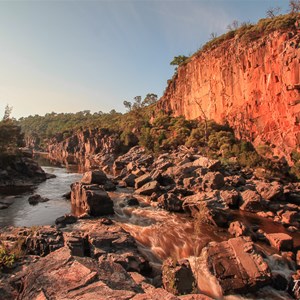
(21, 213)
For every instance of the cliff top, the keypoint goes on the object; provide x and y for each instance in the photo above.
(248, 32)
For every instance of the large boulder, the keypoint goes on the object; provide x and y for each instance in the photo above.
(232, 266)
(230, 197)
(91, 199)
(149, 188)
(109, 242)
(213, 181)
(270, 190)
(207, 208)
(140, 181)
(65, 220)
(94, 177)
(280, 241)
(205, 162)
(238, 228)
(130, 180)
(251, 201)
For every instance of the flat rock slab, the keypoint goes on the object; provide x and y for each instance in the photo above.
(280, 241)
(62, 276)
(148, 188)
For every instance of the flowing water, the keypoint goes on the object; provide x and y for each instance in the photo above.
(160, 234)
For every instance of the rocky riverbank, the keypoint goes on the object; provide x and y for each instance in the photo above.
(249, 258)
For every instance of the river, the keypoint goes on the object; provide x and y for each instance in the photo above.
(21, 213)
(160, 234)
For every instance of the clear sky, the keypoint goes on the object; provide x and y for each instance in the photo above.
(68, 56)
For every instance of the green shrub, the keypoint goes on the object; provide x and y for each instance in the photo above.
(7, 259)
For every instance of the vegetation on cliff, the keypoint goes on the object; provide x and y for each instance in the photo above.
(155, 130)
(247, 32)
(10, 134)
(11, 139)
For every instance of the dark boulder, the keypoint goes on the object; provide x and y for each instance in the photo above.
(91, 199)
(213, 181)
(36, 198)
(170, 202)
(178, 277)
(65, 220)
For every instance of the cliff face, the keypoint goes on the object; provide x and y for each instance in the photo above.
(253, 87)
(84, 143)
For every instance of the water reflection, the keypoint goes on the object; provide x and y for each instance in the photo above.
(71, 163)
(21, 213)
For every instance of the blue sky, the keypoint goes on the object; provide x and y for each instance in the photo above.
(68, 56)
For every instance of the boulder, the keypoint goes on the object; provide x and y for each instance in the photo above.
(142, 180)
(207, 208)
(111, 243)
(213, 181)
(233, 266)
(131, 201)
(36, 198)
(65, 220)
(67, 195)
(230, 197)
(251, 201)
(270, 190)
(77, 244)
(238, 228)
(91, 199)
(94, 177)
(170, 202)
(148, 188)
(177, 277)
(205, 162)
(280, 241)
(235, 180)
(109, 186)
(130, 180)
(290, 217)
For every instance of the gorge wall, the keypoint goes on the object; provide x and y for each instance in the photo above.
(254, 87)
(84, 143)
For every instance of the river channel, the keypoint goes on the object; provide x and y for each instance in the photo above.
(160, 234)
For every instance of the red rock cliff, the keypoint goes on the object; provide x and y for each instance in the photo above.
(253, 87)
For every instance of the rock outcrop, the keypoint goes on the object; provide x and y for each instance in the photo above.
(18, 171)
(100, 146)
(254, 87)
